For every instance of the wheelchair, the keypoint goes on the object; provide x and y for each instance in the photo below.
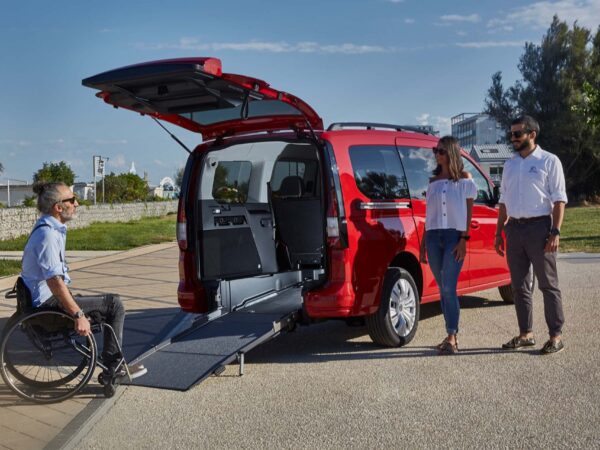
(44, 360)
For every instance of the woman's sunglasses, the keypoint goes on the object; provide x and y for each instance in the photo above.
(439, 151)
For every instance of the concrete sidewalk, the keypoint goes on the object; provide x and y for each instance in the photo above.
(146, 278)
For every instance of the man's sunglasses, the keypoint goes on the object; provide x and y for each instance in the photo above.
(517, 134)
(439, 151)
(71, 200)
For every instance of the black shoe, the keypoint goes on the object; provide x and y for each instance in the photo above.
(517, 343)
(551, 347)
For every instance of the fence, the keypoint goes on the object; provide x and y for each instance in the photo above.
(15, 222)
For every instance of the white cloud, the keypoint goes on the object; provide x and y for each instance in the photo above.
(439, 123)
(490, 44)
(461, 33)
(396, 1)
(539, 14)
(193, 44)
(409, 21)
(158, 162)
(471, 18)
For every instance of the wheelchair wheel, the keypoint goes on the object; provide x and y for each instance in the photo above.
(43, 359)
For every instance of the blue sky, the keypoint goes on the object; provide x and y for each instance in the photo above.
(394, 61)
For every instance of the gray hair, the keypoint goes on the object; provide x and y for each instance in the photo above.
(48, 196)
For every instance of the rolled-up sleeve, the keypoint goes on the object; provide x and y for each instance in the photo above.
(556, 181)
(49, 260)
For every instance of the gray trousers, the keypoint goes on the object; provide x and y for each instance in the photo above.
(525, 244)
(112, 310)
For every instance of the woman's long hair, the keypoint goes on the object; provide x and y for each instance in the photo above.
(455, 163)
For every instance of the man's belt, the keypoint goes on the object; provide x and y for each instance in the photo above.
(523, 220)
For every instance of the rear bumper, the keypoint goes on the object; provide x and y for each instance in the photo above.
(332, 300)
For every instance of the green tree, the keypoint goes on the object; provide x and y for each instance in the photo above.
(178, 179)
(555, 74)
(54, 172)
(125, 187)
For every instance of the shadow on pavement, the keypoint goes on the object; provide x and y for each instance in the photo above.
(143, 330)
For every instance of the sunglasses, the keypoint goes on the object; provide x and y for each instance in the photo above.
(517, 134)
(71, 200)
(439, 151)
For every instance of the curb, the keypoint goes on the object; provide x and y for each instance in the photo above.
(8, 282)
(71, 435)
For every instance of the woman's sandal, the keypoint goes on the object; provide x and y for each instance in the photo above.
(443, 344)
(447, 348)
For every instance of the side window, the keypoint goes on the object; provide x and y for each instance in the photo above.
(306, 170)
(378, 172)
(419, 164)
(232, 179)
(484, 194)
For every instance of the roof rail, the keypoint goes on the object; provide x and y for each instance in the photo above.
(372, 125)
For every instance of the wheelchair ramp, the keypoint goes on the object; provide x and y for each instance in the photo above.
(205, 349)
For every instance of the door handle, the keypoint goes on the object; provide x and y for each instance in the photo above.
(474, 224)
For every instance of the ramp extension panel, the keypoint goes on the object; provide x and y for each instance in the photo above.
(203, 350)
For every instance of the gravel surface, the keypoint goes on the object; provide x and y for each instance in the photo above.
(328, 386)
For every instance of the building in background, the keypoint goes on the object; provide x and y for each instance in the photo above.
(476, 129)
(84, 191)
(13, 192)
(165, 189)
(491, 158)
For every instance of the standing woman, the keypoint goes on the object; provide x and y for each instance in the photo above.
(450, 196)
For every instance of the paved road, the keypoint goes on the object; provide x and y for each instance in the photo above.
(327, 386)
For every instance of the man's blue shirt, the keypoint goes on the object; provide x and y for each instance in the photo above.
(44, 258)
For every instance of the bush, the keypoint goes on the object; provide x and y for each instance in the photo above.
(29, 201)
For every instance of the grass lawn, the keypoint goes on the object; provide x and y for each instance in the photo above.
(581, 230)
(113, 236)
(9, 267)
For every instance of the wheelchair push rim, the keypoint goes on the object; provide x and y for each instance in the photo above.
(43, 359)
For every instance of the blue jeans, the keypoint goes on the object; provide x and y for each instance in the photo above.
(445, 268)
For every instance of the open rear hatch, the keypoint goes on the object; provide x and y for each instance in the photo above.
(195, 94)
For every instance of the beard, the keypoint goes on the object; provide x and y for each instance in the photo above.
(67, 215)
(520, 147)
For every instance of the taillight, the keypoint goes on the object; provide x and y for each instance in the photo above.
(181, 226)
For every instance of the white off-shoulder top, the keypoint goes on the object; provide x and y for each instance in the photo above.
(447, 203)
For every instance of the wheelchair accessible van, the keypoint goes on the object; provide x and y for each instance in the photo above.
(44, 360)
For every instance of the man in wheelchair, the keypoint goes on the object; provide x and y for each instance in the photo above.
(45, 274)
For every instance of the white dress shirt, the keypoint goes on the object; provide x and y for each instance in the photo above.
(447, 203)
(530, 186)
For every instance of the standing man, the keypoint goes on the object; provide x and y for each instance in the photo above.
(533, 198)
(45, 273)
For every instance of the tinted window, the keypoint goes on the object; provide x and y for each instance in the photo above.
(419, 164)
(231, 181)
(378, 172)
(255, 109)
(484, 194)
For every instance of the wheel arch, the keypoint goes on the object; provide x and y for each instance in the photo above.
(410, 263)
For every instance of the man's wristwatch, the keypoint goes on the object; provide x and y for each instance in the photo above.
(555, 232)
(78, 315)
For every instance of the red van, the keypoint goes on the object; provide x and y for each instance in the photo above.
(272, 200)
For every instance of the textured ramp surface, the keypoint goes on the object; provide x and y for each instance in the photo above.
(196, 354)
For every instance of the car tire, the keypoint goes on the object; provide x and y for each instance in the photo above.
(396, 320)
(507, 294)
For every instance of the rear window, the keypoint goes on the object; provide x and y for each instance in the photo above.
(378, 172)
(256, 108)
(231, 181)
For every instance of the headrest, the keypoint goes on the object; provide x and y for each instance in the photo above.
(291, 187)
